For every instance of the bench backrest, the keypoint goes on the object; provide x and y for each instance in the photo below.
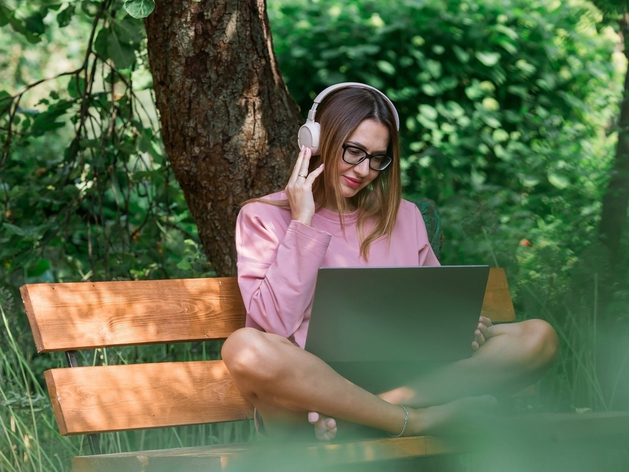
(73, 316)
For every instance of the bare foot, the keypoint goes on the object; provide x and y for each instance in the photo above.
(324, 426)
(456, 415)
(483, 332)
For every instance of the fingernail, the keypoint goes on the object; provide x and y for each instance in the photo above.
(303, 148)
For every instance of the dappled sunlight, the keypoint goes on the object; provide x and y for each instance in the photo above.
(116, 398)
(120, 397)
(88, 315)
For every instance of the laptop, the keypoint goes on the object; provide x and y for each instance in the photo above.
(367, 317)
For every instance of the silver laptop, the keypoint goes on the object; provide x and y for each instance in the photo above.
(407, 314)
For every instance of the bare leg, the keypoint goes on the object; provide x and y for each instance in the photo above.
(513, 357)
(284, 382)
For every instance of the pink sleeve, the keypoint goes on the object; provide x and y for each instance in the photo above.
(277, 266)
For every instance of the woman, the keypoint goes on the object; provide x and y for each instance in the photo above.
(342, 206)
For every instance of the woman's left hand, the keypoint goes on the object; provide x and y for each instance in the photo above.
(482, 333)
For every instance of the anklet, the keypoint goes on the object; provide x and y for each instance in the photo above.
(405, 423)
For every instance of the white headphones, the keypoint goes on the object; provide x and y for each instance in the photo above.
(309, 132)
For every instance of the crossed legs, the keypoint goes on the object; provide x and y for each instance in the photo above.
(284, 382)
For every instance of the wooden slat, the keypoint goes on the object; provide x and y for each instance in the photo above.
(89, 315)
(267, 456)
(527, 433)
(116, 398)
(497, 304)
(66, 316)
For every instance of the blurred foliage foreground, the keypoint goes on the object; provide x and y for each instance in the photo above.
(508, 112)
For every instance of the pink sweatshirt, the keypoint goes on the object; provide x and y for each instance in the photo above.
(278, 259)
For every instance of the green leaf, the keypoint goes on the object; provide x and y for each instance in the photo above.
(431, 89)
(500, 135)
(490, 121)
(184, 264)
(64, 17)
(434, 67)
(512, 34)
(35, 24)
(47, 120)
(448, 83)
(122, 54)
(463, 56)
(14, 229)
(455, 109)
(129, 30)
(559, 181)
(70, 153)
(509, 47)
(488, 58)
(526, 67)
(474, 91)
(362, 50)
(5, 100)
(386, 67)
(148, 144)
(5, 15)
(89, 7)
(100, 43)
(38, 269)
(426, 123)
(139, 8)
(76, 86)
(428, 112)
(20, 27)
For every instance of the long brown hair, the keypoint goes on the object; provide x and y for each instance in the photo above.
(339, 114)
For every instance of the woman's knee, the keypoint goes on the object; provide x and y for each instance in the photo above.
(247, 353)
(541, 341)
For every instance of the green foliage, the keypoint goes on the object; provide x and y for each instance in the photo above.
(139, 8)
(504, 105)
(86, 191)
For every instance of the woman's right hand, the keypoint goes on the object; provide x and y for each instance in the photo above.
(299, 188)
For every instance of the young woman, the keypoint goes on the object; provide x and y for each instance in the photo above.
(342, 207)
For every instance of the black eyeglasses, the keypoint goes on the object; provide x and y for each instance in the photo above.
(355, 155)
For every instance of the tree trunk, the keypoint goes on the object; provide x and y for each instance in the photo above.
(614, 215)
(228, 122)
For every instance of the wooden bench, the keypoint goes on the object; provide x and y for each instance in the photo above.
(94, 399)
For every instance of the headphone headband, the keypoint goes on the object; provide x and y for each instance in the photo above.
(319, 98)
(309, 132)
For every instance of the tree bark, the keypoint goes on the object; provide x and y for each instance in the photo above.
(228, 123)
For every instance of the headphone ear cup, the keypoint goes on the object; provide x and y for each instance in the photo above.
(309, 135)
